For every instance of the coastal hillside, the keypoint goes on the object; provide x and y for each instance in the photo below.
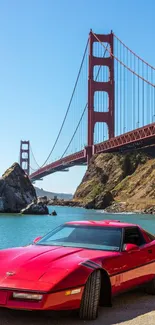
(51, 195)
(118, 182)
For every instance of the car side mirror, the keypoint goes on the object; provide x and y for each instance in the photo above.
(36, 239)
(130, 247)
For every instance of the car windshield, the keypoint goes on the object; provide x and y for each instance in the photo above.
(100, 238)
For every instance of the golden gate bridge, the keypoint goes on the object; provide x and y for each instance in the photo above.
(112, 108)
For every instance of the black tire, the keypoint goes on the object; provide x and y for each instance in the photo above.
(91, 297)
(150, 287)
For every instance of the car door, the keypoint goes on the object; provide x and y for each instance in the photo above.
(150, 255)
(138, 260)
(123, 266)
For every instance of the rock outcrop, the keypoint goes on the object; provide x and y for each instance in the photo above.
(70, 203)
(16, 190)
(35, 208)
(53, 213)
(42, 199)
(118, 182)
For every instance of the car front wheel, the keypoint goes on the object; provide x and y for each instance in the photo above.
(91, 296)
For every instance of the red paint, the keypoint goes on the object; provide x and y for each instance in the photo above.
(37, 239)
(94, 117)
(100, 223)
(131, 247)
(58, 301)
(143, 135)
(53, 270)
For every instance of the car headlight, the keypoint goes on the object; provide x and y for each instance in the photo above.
(29, 296)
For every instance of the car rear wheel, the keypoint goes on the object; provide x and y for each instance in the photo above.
(150, 287)
(91, 296)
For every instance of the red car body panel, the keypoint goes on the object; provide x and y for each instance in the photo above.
(53, 270)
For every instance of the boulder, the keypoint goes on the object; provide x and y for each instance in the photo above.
(16, 190)
(54, 213)
(35, 208)
(42, 199)
(150, 210)
(101, 201)
(90, 205)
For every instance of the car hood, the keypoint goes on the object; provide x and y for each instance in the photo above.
(34, 261)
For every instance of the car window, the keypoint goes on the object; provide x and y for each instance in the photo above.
(133, 236)
(59, 235)
(103, 238)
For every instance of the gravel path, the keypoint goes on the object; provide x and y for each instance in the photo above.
(129, 309)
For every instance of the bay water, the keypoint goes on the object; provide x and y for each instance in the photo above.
(20, 230)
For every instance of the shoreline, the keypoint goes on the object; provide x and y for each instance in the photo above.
(118, 208)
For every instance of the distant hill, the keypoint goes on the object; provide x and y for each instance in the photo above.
(41, 192)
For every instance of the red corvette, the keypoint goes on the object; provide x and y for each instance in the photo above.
(80, 265)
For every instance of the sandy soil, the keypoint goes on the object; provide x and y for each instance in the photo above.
(134, 308)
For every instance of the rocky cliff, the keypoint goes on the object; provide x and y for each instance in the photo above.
(16, 190)
(119, 183)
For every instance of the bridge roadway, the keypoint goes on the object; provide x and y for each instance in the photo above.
(138, 138)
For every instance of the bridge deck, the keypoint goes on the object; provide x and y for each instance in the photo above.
(79, 158)
(136, 138)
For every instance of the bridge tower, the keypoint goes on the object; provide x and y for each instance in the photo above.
(25, 156)
(93, 86)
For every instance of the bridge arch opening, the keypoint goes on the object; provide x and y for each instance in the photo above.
(101, 101)
(100, 132)
(101, 50)
(101, 73)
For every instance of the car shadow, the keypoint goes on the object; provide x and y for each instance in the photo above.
(127, 307)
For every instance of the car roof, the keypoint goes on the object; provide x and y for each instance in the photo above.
(102, 223)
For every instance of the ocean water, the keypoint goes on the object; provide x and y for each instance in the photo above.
(19, 230)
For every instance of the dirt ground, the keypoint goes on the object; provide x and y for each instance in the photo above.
(134, 308)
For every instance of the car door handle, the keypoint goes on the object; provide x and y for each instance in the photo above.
(150, 251)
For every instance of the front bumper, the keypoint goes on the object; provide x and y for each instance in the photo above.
(50, 301)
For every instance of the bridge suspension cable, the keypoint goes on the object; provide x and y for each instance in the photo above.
(34, 170)
(75, 130)
(69, 105)
(138, 57)
(33, 157)
(122, 63)
(86, 106)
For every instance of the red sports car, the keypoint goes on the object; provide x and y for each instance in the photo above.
(80, 265)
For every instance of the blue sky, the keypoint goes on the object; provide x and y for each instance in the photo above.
(42, 43)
